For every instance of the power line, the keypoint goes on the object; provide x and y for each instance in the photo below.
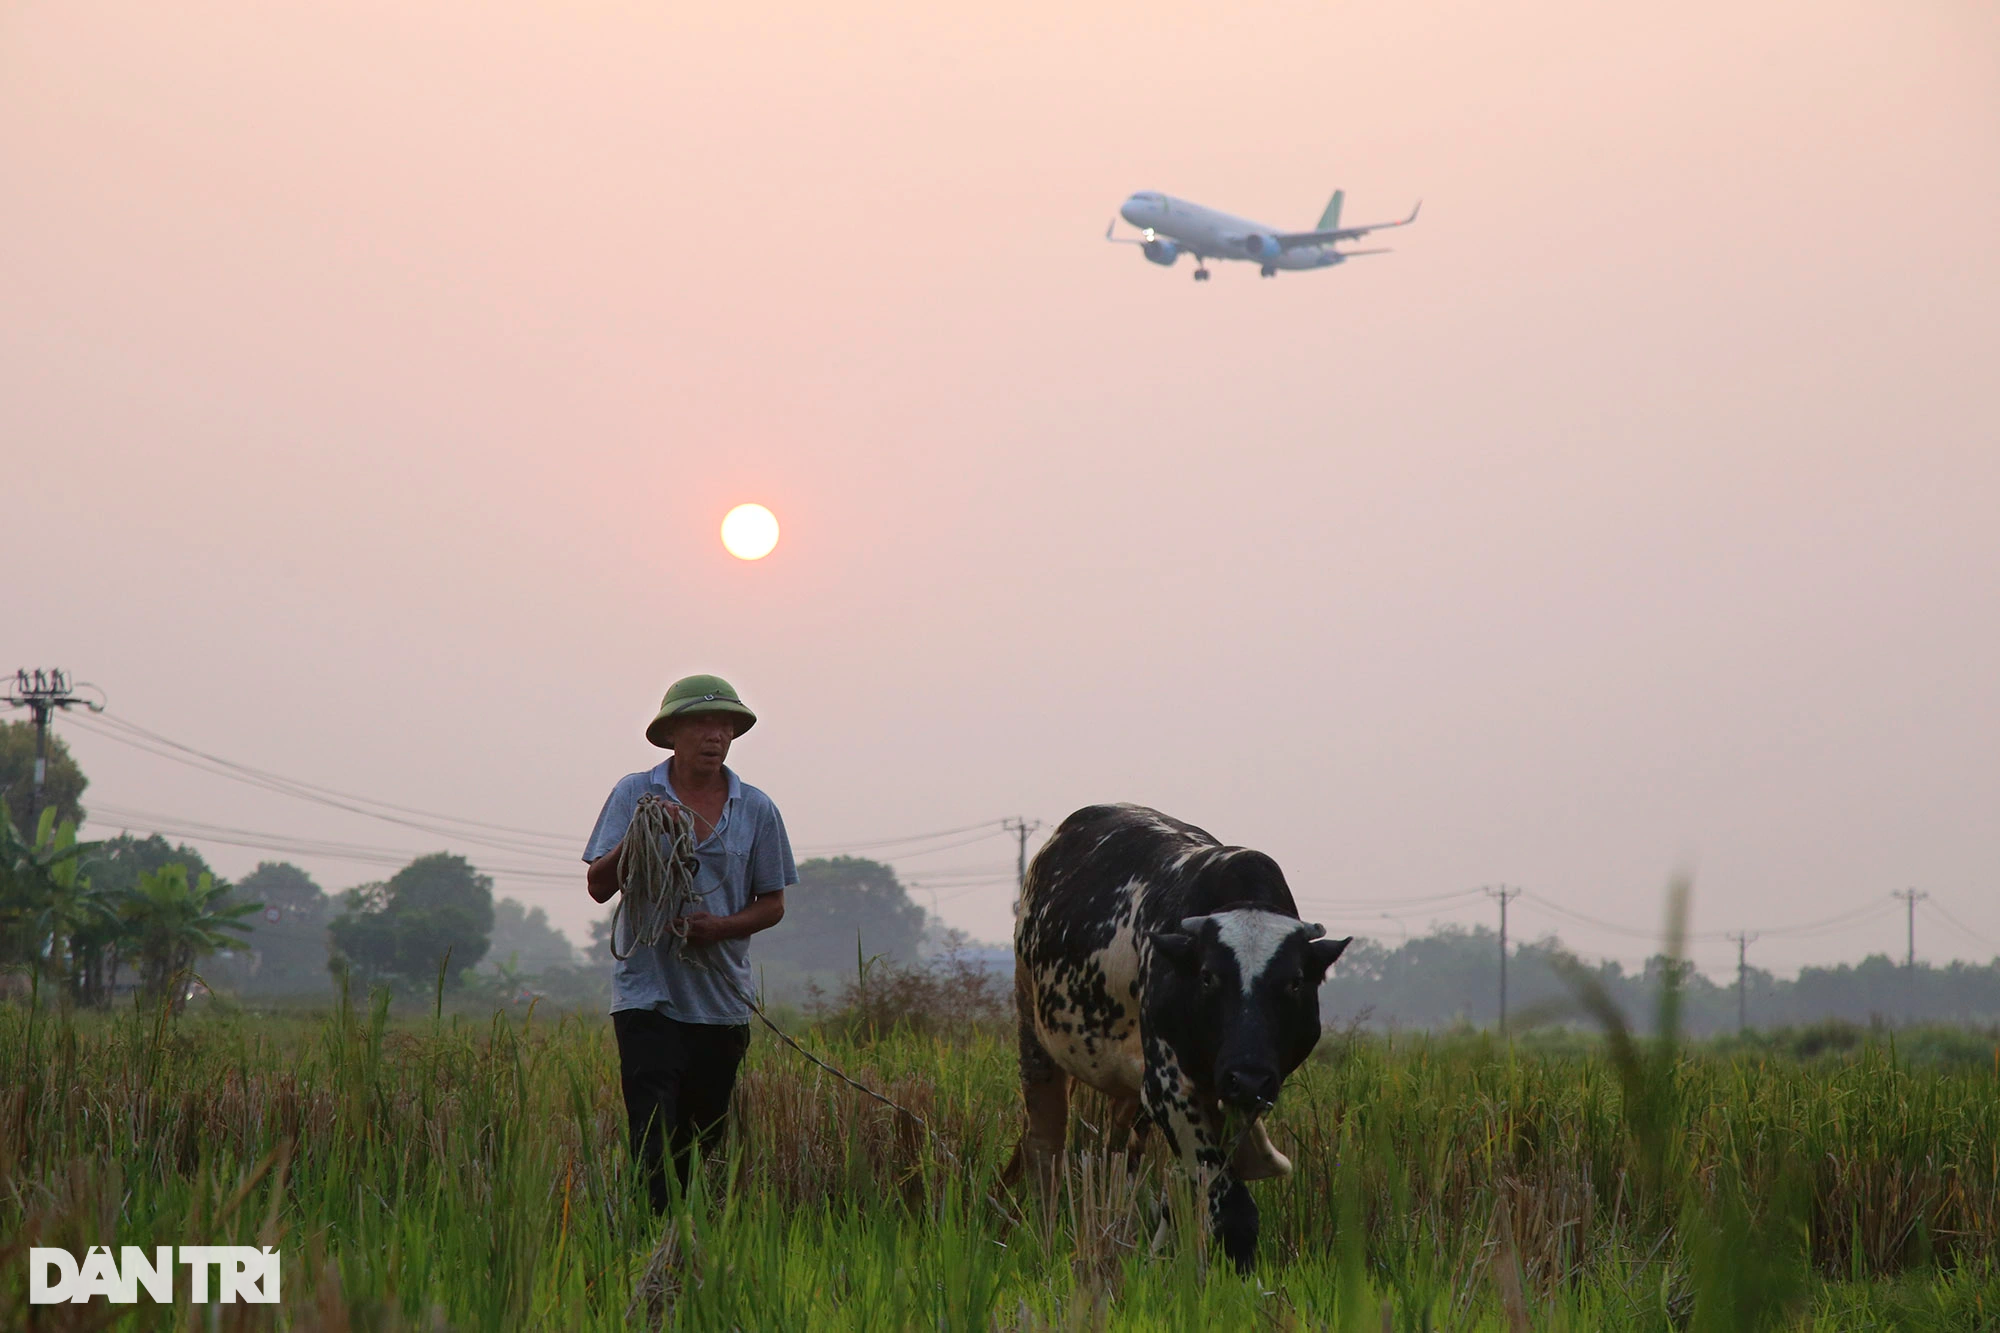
(1911, 897)
(439, 826)
(530, 841)
(1851, 916)
(1612, 926)
(307, 789)
(1319, 901)
(991, 825)
(284, 845)
(1961, 927)
(960, 873)
(1839, 921)
(48, 691)
(1742, 939)
(1504, 894)
(961, 890)
(147, 821)
(943, 847)
(1023, 827)
(44, 693)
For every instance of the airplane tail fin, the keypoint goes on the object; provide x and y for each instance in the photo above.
(1331, 218)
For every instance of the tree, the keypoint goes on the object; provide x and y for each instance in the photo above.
(401, 931)
(172, 923)
(290, 938)
(116, 866)
(46, 901)
(834, 898)
(524, 939)
(62, 791)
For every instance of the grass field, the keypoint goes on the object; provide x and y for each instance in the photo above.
(454, 1172)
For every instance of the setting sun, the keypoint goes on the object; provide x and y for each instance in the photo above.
(750, 531)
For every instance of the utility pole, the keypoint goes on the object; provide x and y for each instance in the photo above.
(1504, 894)
(42, 693)
(1742, 938)
(1912, 897)
(1021, 827)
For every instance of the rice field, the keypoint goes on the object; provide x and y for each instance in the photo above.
(440, 1171)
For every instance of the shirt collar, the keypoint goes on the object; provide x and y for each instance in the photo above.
(658, 778)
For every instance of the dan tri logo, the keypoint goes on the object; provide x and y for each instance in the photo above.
(240, 1272)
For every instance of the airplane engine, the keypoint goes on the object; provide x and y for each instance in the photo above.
(1161, 252)
(1261, 247)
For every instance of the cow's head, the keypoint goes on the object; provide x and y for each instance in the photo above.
(1242, 988)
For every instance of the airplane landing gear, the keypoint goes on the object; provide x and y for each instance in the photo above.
(1201, 275)
(1268, 271)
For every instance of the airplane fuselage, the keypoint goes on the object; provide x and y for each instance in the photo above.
(1206, 233)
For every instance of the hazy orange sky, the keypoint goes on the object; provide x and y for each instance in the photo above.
(374, 377)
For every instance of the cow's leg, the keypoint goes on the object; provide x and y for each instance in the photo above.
(1193, 1125)
(1233, 1214)
(1126, 1128)
(1044, 1097)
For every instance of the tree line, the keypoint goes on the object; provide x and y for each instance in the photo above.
(95, 919)
(89, 921)
(1451, 977)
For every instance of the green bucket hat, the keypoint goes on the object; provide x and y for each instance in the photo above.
(698, 694)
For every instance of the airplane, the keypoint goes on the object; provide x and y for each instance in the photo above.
(1169, 227)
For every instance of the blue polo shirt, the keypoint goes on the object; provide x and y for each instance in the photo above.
(746, 854)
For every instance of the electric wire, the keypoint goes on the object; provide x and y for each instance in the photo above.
(511, 838)
(1612, 926)
(1931, 905)
(557, 849)
(312, 790)
(1838, 921)
(1318, 901)
(468, 831)
(869, 844)
(282, 846)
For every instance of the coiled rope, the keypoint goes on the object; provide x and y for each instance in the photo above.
(656, 878)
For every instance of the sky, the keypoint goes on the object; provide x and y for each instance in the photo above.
(374, 379)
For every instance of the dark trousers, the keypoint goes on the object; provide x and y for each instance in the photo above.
(677, 1078)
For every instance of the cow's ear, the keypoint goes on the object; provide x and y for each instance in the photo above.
(1179, 947)
(1324, 952)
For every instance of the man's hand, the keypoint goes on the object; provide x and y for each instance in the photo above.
(765, 910)
(706, 928)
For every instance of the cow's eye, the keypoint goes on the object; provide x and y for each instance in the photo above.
(1209, 981)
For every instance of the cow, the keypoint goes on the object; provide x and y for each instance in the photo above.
(1172, 974)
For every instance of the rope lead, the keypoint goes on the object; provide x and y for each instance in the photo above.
(656, 875)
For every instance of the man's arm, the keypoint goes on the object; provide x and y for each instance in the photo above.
(765, 910)
(602, 876)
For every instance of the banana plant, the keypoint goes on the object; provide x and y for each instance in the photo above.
(45, 898)
(171, 923)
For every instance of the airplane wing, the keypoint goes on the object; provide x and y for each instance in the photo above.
(1291, 240)
(1120, 240)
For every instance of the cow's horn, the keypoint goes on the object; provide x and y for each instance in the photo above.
(1314, 930)
(1192, 924)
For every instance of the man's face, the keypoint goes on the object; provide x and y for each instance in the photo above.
(701, 740)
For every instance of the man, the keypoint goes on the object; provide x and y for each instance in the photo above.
(682, 1018)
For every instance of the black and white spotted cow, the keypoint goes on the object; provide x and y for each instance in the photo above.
(1172, 974)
